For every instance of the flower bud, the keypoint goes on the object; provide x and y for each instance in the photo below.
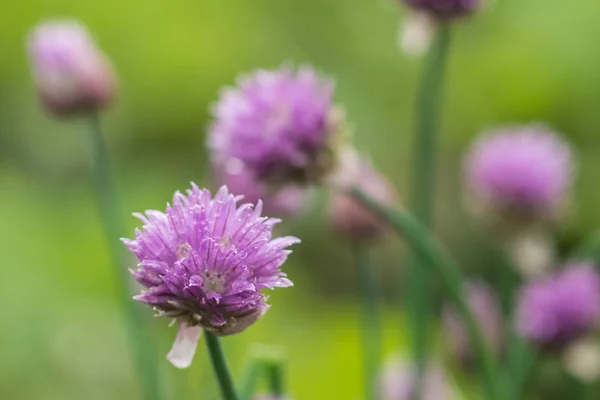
(72, 75)
(351, 218)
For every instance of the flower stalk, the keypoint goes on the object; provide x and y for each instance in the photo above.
(437, 260)
(276, 372)
(107, 203)
(370, 324)
(423, 181)
(217, 358)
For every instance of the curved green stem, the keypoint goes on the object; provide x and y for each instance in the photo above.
(370, 321)
(423, 180)
(217, 358)
(439, 261)
(107, 199)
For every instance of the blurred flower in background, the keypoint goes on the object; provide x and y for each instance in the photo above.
(71, 73)
(445, 9)
(278, 127)
(398, 380)
(522, 174)
(349, 217)
(555, 310)
(287, 200)
(486, 310)
(204, 262)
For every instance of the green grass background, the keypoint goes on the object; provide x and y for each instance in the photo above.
(60, 332)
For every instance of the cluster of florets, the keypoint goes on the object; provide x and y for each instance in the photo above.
(205, 260)
(520, 173)
(557, 309)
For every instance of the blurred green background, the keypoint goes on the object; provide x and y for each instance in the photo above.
(61, 336)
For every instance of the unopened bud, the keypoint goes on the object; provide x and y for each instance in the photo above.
(72, 75)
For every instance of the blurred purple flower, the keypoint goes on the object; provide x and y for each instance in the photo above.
(398, 380)
(348, 216)
(445, 9)
(524, 170)
(288, 200)
(71, 73)
(204, 262)
(486, 310)
(557, 309)
(279, 125)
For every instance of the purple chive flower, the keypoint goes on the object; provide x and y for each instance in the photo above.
(203, 263)
(524, 171)
(279, 125)
(486, 310)
(71, 73)
(557, 309)
(445, 9)
(348, 216)
(398, 382)
(288, 200)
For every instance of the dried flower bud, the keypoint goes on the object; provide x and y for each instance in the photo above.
(71, 73)
(351, 218)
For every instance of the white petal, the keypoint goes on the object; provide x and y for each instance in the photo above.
(184, 347)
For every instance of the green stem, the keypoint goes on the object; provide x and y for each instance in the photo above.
(250, 379)
(590, 248)
(139, 337)
(219, 364)
(423, 182)
(439, 261)
(276, 378)
(521, 361)
(370, 321)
